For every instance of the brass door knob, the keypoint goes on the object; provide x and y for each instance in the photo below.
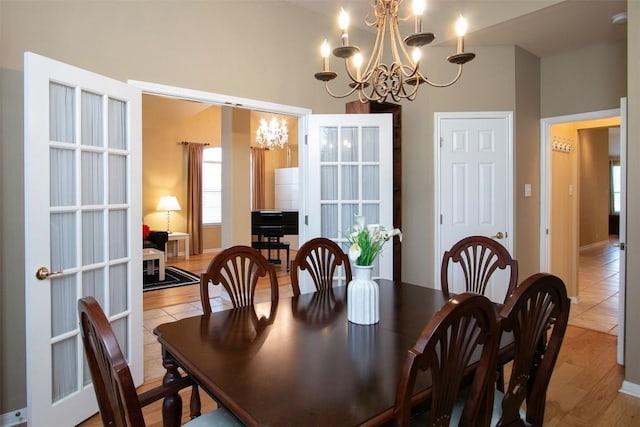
(498, 235)
(43, 273)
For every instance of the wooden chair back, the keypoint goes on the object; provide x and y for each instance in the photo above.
(539, 305)
(112, 381)
(479, 257)
(238, 269)
(465, 327)
(319, 257)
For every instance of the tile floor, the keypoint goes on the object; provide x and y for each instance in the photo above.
(597, 308)
(152, 359)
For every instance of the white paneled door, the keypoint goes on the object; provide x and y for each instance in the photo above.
(474, 186)
(82, 229)
(350, 171)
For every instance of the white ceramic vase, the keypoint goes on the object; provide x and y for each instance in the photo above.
(363, 293)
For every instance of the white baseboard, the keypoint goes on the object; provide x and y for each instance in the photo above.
(574, 300)
(630, 388)
(13, 418)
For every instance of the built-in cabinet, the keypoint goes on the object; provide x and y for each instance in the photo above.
(356, 107)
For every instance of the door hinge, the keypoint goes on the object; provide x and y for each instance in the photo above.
(306, 220)
(440, 219)
(441, 139)
(306, 140)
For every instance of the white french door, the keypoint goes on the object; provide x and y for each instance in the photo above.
(622, 233)
(82, 229)
(474, 186)
(350, 171)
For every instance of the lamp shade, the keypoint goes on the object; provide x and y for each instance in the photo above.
(168, 203)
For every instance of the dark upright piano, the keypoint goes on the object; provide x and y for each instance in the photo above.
(269, 226)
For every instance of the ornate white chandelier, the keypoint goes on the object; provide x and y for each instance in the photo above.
(273, 134)
(402, 78)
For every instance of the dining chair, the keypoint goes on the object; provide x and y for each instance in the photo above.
(463, 328)
(238, 269)
(319, 257)
(119, 403)
(478, 257)
(539, 305)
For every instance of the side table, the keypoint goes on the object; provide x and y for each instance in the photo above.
(150, 255)
(176, 236)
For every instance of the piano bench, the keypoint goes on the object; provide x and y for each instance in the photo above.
(272, 245)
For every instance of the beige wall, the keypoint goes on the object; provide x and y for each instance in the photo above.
(589, 79)
(130, 40)
(594, 185)
(165, 123)
(564, 207)
(527, 162)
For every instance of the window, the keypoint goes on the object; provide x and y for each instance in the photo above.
(212, 185)
(615, 187)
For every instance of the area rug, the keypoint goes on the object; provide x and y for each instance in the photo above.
(174, 277)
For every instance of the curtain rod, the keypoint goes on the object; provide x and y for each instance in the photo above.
(187, 143)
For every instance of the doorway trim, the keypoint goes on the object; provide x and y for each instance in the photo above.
(249, 104)
(545, 171)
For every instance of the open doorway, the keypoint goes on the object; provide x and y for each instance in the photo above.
(579, 235)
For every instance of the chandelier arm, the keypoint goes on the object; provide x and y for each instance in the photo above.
(348, 93)
(431, 83)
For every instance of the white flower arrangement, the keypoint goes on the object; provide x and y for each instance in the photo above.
(367, 241)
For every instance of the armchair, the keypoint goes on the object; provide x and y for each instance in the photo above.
(156, 240)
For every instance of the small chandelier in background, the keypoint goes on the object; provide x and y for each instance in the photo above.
(273, 134)
(402, 78)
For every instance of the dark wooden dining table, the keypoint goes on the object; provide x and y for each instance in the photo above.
(300, 362)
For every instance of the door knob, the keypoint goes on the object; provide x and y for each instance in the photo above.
(498, 235)
(43, 273)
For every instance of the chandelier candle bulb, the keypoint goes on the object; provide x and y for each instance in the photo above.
(418, 10)
(324, 52)
(461, 30)
(343, 22)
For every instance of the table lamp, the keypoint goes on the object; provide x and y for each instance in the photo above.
(168, 203)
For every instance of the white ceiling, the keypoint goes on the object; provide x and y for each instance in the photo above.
(543, 27)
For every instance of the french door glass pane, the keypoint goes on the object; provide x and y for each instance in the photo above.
(92, 192)
(65, 376)
(350, 183)
(92, 237)
(349, 144)
(328, 182)
(120, 330)
(371, 211)
(370, 182)
(62, 177)
(117, 124)
(329, 221)
(91, 123)
(61, 113)
(117, 234)
(93, 285)
(117, 179)
(117, 288)
(63, 241)
(370, 144)
(63, 304)
(329, 144)
(349, 211)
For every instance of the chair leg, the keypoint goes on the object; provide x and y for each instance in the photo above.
(194, 405)
(500, 379)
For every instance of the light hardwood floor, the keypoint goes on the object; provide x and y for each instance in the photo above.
(583, 390)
